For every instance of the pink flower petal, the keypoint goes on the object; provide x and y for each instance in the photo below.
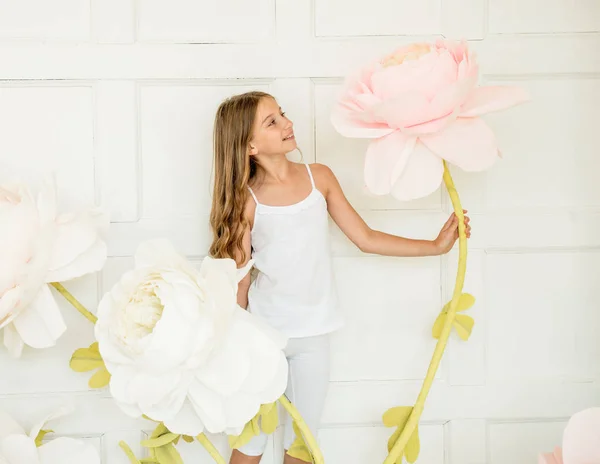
(493, 98)
(581, 437)
(385, 160)
(348, 124)
(422, 175)
(392, 81)
(405, 110)
(467, 143)
(551, 458)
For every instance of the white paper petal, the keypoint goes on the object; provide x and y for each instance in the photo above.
(209, 406)
(60, 412)
(186, 422)
(46, 200)
(10, 305)
(75, 234)
(19, 449)
(275, 387)
(13, 341)
(65, 450)
(241, 272)
(8, 426)
(263, 352)
(170, 340)
(227, 368)
(121, 391)
(159, 397)
(41, 323)
(157, 253)
(91, 260)
(240, 408)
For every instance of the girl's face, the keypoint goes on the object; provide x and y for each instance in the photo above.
(273, 133)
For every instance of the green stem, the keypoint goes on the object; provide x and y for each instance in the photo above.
(208, 446)
(71, 299)
(413, 421)
(306, 433)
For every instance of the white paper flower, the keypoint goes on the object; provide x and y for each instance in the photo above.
(18, 447)
(179, 348)
(37, 246)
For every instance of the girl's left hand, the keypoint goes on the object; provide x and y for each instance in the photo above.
(449, 233)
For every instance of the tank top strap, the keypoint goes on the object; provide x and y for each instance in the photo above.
(253, 196)
(312, 180)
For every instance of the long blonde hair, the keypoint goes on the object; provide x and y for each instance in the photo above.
(233, 169)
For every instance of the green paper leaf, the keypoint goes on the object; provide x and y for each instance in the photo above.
(413, 447)
(463, 325)
(466, 301)
(236, 442)
(299, 449)
(397, 416)
(168, 455)
(266, 419)
(100, 379)
(269, 418)
(86, 359)
(40, 436)
(160, 441)
(160, 429)
(438, 325)
(188, 439)
(132, 459)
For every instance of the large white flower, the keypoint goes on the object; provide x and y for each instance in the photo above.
(179, 348)
(18, 447)
(37, 247)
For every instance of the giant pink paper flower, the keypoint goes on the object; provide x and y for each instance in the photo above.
(421, 104)
(581, 440)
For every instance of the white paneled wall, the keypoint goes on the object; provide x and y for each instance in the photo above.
(119, 96)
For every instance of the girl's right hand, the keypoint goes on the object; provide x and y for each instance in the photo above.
(449, 233)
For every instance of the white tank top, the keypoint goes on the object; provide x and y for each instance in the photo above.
(294, 290)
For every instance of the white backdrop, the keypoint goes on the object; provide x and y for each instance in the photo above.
(119, 97)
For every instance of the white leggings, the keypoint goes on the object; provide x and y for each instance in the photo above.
(308, 381)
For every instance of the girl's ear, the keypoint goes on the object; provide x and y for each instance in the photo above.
(252, 150)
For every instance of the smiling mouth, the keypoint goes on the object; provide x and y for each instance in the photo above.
(289, 137)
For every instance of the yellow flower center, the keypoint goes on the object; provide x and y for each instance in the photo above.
(412, 52)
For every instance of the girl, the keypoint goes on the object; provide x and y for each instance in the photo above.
(274, 211)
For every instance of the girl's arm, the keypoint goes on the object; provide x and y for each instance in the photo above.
(377, 242)
(244, 284)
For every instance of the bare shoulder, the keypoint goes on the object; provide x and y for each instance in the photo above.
(321, 169)
(324, 177)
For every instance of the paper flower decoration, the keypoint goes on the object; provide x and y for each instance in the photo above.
(398, 417)
(555, 457)
(462, 323)
(581, 440)
(179, 348)
(37, 247)
(18, 447)
(421, 105)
